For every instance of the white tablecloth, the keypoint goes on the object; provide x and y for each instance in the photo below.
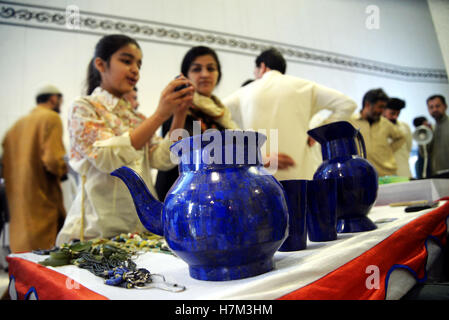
(293, 270)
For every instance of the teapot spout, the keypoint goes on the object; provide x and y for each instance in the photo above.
(148, 208)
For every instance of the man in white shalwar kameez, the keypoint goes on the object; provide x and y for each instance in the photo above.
(286, 103)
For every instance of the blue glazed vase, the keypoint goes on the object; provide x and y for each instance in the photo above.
(225, 216)
(357, 179)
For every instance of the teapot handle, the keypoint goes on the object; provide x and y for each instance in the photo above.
(361, 142)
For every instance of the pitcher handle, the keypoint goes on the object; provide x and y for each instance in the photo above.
(361, 142)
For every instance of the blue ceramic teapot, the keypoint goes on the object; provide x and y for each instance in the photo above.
(357, 179)
(224, 215)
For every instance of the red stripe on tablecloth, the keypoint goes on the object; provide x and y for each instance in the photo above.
(49, 284)
(406, 247)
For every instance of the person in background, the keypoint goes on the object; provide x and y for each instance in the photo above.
(286, 103)
(202, 67)
(131, 96)
(105, 134)
(421, 121)
(382, 137)
(419, 164)
(236, 116)
(402, 155)
(439, 147)
(33, 166)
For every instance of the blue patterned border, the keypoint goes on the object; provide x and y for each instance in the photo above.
(52, 18)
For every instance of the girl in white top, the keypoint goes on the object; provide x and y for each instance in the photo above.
(107, 133)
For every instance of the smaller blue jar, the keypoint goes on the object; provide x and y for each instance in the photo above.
(357, 179)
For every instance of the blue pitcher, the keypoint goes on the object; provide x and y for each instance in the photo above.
(357, 179)
(224, 215)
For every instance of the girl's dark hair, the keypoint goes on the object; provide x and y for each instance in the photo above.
(104, 49)
(196, 52)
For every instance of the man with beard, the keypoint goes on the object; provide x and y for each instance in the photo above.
(382, 138)
(33, 165)
(402, 155)
(439, 147)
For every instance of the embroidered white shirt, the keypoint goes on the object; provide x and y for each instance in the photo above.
(99, 127)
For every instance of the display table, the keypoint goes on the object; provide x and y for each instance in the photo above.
(380, 264)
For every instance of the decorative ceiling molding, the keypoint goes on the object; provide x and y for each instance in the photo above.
(60, 19)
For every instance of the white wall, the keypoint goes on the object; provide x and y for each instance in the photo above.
(34, 52)
(439, 10)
